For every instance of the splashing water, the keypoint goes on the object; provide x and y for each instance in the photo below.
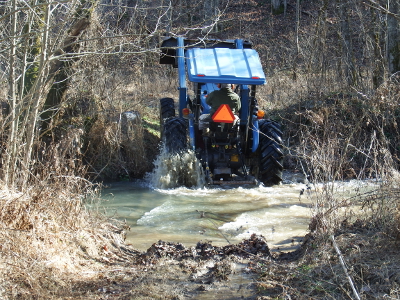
(178, 169)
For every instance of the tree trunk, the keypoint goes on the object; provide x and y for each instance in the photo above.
(297, 26)
(211, 15)
(277, 7)
(11, 158)
(36, 99)
(59, 74)
(297, 55)
(393, 37)
(347, 45)
(378, 71)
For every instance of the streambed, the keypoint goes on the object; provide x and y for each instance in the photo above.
(221, 215)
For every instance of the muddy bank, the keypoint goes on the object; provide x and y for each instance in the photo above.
(249, 270)
(169, 270)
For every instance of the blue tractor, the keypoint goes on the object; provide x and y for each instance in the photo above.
(241, 150)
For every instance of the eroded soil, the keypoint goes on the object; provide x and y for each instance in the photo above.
(249, 270)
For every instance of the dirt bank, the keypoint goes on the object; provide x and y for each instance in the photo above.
(248, 270)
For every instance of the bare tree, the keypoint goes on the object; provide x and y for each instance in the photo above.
(43, 42)
(35, 30)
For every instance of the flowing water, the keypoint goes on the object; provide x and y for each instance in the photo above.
(156, 210)
(221, 215)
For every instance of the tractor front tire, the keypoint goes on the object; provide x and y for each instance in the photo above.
(175, 134)
(270, 153)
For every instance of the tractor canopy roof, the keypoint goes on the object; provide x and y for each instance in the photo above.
(172, 42)
(224, 65)
(214, 61)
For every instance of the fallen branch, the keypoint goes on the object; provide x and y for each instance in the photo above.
(344, 267)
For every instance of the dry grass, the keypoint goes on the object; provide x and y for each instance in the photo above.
(115, 154)
(46, 233)
(48, 236)
(370, 258)
(96, 102)
(333, 137)
(53, 247)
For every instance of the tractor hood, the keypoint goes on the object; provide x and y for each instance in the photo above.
(224, 65)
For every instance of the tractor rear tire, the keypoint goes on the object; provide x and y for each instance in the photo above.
(167, 110)
(175, 134)
(270, 153)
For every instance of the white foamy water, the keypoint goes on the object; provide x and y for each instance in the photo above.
(180, 169)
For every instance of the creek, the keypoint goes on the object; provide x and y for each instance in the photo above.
(161, 208)
(222, 214)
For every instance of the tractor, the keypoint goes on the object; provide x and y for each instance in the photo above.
(243, 149)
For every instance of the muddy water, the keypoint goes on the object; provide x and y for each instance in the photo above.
(221, 215)
(156, 210)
